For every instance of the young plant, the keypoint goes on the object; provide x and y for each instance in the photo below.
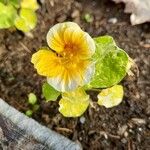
(75, 62)
(32, 100)
(18, 13)
(88, 17)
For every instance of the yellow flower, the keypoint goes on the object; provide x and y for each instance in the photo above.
(68, 65)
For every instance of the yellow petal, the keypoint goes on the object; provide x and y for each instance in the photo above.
(111, 97)
(55, 36)
(74, 104)
(69, 34)
(44, 61)
(80, 42)
(90, 42)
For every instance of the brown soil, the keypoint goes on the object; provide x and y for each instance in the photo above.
(126, 126)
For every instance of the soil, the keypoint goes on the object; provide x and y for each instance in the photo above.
(125, 127)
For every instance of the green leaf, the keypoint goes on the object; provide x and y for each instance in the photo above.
(74, 103)
(111, 97)
(111, 63)
(88, 17)
(3, 1)
(29, 4)
(29, 113)
(32, 99)
(49, 92)
(26, 21)
(7, 15)
(35, 107)
(15, 3)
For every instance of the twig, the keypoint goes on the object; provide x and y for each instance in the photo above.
(64, 129)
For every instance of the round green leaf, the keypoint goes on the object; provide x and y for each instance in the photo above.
(49, 92)
(111, 97)
(32, 99)
(111, 63)
(7, 15)
(26, 21)
(74, 104)
(15, 3)
(29, 113)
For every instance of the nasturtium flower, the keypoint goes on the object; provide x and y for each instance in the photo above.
(67, 64)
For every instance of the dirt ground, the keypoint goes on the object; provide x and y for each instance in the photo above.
(125, 127)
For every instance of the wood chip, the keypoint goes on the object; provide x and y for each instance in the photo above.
(138, 121)
(64, 129)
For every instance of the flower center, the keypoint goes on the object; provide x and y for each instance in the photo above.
(68, 55)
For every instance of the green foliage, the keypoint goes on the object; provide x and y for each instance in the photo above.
(26, 18)
(111, 63)
(32, 99)
(15, 3)
(88, 17)
(74, 104)
(29, 113)
(111, 97)
(7, 15)
(49, 92)
(2, 1)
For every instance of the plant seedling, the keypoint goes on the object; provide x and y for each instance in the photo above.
(32, 100)
(75, 62)
(88, 18)
(29, 113)
(18, 13)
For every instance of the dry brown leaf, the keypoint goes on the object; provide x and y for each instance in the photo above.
(140, 10)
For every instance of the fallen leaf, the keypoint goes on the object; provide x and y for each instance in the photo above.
(140, 10)
(111, 97)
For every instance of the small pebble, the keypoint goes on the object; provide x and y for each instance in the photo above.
(104, 134)
(80, 138)
(126, 134)
(130, 130)
(113, 20)
(148, 126)
(29, 35)
(123, 140)
(82, 120)
(75, 14)
(140, 129)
